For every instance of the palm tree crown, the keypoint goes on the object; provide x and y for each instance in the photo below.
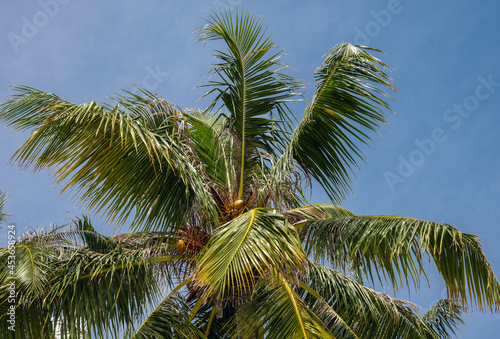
(222, 241)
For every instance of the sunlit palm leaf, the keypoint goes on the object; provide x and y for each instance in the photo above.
(118, 162)
(349, 103)
(305, 215)
(248, 247)
(249, 82)
(395, 247)
(332, 320)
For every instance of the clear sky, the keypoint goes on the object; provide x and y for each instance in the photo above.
(437, 160)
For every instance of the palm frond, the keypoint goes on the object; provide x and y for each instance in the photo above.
(3, 201)
(349, 102)
(170, 319)
(214, 326)
(124, 294)
(250, 83)
(395, 246)
(118, 162)
(445, 318)
(303, 216)
(26, 270)
(124, 283)
(353, 307)
(332, 320)
(215, 146)
(29, 266)
(29, 320)
(280, 312)
(78, 234)
(65, 279)
(245, 249)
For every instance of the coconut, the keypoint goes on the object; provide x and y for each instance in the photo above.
(238, 204)
(181, 246)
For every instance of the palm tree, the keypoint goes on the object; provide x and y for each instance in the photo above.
(222, 242)
(3, 200)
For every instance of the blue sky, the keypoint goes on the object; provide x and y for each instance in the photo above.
(437, 160)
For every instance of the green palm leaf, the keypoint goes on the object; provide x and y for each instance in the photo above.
(347, 306)
(67, 277)
(3, 201)
(80, 233)
(250, 83)
(280, 313)
(31, 268)
(214, 146)
(332, 320)
(247, 248)
(215, 327)
(395, 247)
(30, 321)
(170, 319)
(445, 318)
(305, 215)
(94, 147)
(30, 274)
(348, 103)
